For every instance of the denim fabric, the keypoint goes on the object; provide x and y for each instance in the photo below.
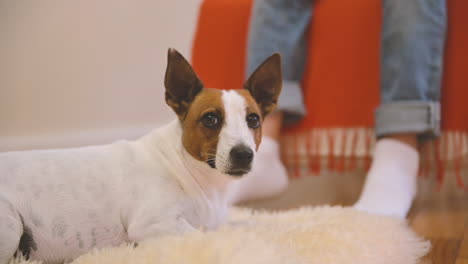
(413, 37)
(280, 26)
(420, 117)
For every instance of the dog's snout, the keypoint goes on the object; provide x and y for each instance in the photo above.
(242, 155)
(241, 158)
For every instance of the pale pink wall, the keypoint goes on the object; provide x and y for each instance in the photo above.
(85, 72)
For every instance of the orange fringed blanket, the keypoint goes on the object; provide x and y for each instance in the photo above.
(341, 82)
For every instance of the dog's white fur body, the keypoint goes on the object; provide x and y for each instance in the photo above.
(58, 204)
(77, 199)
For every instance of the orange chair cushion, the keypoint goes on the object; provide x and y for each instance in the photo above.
(341, 81)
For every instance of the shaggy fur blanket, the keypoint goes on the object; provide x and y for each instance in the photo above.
(305, 235)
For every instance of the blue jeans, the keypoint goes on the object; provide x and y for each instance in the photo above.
(412, 45)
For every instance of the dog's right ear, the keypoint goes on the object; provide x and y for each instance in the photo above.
(181, 82)
(265, 83)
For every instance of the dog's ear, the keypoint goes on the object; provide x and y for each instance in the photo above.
(265, 83)
(181, 82)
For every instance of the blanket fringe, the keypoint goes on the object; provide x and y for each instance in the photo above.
(344, 149)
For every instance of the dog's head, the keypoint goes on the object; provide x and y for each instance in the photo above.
(222, 128)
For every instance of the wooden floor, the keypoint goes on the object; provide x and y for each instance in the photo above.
(444, 222)
(438, 215)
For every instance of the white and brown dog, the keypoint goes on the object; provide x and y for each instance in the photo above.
(58, 204)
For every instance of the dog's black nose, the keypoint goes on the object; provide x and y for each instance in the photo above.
(241, 156)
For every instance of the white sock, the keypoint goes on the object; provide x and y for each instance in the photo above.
(267, 178)
(391, 181)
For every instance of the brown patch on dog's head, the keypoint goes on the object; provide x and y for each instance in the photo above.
(181, 82)
(265, 83)
(202, 125)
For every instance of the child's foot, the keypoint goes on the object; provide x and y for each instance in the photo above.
(391, 181)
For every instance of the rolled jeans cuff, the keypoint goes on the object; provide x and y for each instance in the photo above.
(291, 102)
(422, 118)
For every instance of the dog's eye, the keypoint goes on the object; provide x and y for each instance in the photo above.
(253, 120)
(210, 120)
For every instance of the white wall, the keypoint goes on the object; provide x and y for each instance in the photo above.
(85, 72)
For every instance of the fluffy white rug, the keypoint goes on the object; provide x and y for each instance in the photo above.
(306, 235)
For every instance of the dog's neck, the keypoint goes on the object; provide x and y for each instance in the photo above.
(167, 141)
(206, 187)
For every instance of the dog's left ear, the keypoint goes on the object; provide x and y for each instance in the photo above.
(181, 82)
(265, 83)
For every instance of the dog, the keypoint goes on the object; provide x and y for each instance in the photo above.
(58, 204)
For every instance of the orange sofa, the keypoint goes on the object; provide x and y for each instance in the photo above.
(343, 63)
